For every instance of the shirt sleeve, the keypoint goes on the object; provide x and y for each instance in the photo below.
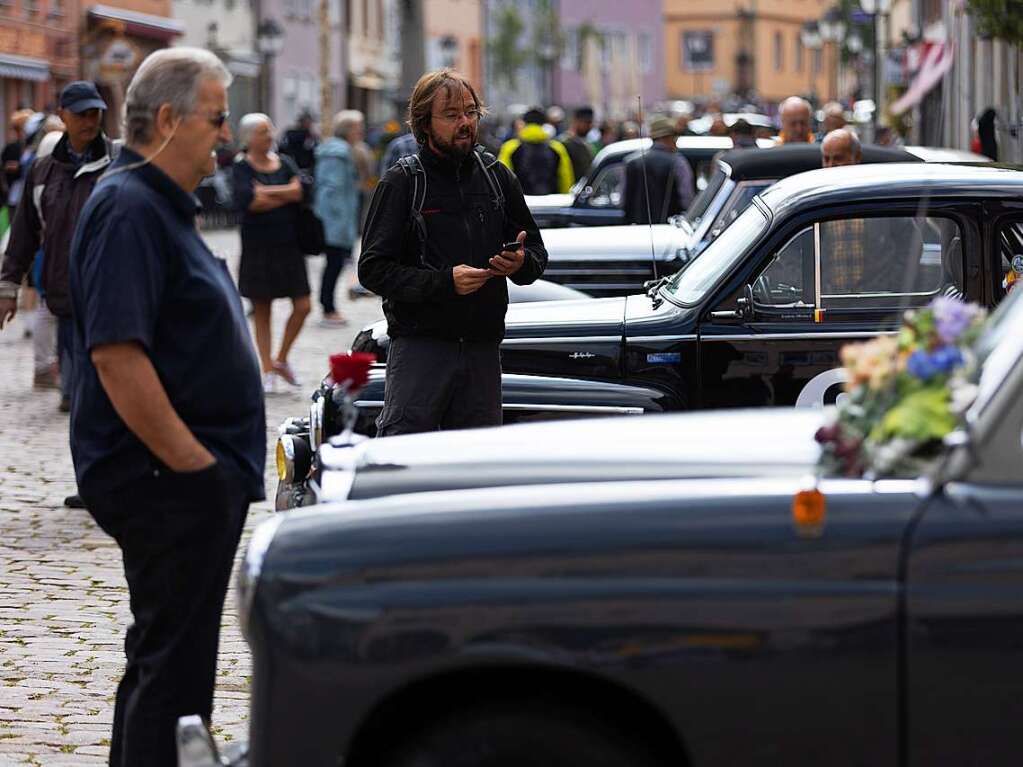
(122, 271)
(241, 183)
(26, 234)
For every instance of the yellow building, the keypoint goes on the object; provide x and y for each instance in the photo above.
(716, 47)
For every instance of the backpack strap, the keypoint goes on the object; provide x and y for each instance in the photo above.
(413, 169)
(496, 191)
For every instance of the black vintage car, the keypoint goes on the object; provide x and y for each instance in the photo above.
(689, 620)
(756, 320)
(617, 260)
(596, 200)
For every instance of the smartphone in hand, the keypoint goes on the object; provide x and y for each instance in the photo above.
(513, 245)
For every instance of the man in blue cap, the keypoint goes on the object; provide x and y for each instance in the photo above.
(55, 191)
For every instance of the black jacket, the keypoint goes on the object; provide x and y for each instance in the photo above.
(55, 193)
(661, 182)
(462, 228)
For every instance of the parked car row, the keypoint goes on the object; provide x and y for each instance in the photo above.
(651, 592)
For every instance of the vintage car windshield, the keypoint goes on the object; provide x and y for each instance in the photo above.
(691, 284)
(698, 207)
(999, 347)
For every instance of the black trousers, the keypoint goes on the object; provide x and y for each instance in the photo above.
(178, 534)
(434, 383)
(336, 259)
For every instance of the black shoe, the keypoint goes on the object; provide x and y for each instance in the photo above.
(74, 502)
(65, 404)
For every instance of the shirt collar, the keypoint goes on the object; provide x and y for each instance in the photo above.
(185, 203)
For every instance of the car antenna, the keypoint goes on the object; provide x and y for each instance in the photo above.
(646, 188)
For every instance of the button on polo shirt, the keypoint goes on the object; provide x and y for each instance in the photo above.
(140, 272)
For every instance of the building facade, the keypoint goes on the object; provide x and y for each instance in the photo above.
(374, 58)
(453, 30)
(38, 52)
(612, 52)
(228, 28)
(512, 88)
(116, 36)
(716, 47)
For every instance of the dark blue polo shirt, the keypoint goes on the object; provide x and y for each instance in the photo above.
(139, 271)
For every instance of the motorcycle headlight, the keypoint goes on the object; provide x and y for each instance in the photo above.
(252, 567)
(316, 423)
(294, 458)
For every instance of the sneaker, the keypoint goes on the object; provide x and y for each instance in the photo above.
(284, 371)
(270, 382)
(333, 320)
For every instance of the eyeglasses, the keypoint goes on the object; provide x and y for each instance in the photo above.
(218, 120)
(472, 115)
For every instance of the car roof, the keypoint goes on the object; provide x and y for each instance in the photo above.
(905, 180)
(784, 161)
(630, 145)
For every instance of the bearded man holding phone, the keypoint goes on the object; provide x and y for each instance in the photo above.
(445, 229)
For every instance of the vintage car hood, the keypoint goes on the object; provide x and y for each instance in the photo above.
(612, 243)
(548, 202)
(712, 444)
(586, 317)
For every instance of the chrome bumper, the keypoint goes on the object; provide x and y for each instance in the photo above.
(196, 747)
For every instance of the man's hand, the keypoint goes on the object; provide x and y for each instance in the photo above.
(509, 261)
(8, 308)
(469, 279)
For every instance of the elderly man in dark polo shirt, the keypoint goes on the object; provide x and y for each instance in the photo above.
(167, 420)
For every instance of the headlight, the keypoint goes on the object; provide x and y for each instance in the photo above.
(252, 566)
(316, 423)
(294, 458)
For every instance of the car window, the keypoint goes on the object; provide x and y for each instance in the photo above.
(1010, 247)
(736, 204)
(888, 262)
(788, 278)
(607, 187)
(698, 207)
(691, 284)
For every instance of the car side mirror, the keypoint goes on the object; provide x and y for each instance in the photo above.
(743, 310)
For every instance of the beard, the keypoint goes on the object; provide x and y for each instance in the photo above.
(453, 149)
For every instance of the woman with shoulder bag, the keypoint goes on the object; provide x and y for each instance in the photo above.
(268, 193)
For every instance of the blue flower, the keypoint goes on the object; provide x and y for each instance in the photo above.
(952, 317)
(919, 365)
(946, 358)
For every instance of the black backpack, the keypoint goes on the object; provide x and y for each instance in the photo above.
(413, 168)
(536, 167)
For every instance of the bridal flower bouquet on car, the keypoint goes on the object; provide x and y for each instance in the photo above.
(903, 393)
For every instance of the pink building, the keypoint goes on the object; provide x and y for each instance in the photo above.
(613, 52)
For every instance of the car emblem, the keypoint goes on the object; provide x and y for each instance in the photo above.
(1017, 263)
(581, 356)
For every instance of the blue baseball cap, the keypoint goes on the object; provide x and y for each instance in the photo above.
(80, 96)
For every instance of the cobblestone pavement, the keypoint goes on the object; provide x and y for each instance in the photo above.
(63, 599)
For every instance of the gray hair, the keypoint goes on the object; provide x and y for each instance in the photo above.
(345, 120)
(795, 102)
(248, 124)
(168, 76)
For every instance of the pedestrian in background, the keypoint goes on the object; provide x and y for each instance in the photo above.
(658, 183)
(834, 118)
(541, 164)
(11, 159)
(574, 140)
(442, 270)
(299, 142)
(56, 189)
(168, 429)
(796, 121)
(337, 194)
(267, 191)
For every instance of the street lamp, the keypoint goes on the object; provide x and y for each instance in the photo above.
(875, 8)
(810, 36)
(270, 41)
(832, 29)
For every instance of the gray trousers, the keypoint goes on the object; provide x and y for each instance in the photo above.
(434, 384)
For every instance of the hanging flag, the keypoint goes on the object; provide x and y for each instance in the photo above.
(937, 62)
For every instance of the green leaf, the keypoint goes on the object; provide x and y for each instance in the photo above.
(921, 415)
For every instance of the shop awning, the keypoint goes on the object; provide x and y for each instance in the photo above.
(24, 68)
(140, 24)
(936, 63)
